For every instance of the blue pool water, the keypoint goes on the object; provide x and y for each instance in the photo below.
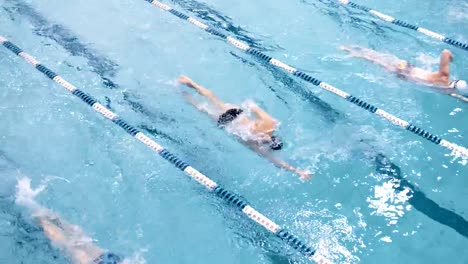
(128, 54)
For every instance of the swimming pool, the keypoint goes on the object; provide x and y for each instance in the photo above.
(128, 54)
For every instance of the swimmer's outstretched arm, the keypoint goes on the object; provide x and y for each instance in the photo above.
(303, 175)
(461, 97)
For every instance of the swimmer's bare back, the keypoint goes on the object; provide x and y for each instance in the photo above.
(261, 128)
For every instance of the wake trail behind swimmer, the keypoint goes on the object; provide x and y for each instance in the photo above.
(419, 199)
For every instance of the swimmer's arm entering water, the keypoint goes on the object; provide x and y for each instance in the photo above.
(303, 175)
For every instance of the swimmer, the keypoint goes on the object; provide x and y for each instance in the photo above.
(258, 134)
(407, 71)
(65, 236)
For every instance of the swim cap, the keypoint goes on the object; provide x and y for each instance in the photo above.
(460, 86)
(276, 143)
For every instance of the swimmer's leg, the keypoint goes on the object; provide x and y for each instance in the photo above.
(387, 61)
(71, 240)
(205, 92)
(69, 230)
(197, 105)
(55, 234)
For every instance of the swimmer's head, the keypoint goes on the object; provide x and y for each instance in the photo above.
(276, 143)
(460, 86)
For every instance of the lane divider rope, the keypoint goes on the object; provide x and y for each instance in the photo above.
(228, 196)
(404, 24)
(457, 150)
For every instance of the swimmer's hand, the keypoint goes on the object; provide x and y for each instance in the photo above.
(304, 175)
(449, 53)
(186, 81)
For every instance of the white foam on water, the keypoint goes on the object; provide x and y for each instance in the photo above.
(386, 239)
(427, 62)
(25, 195)
(389, 202)
(458, 13)
(332, 236)
(136, 258)
(457, 110)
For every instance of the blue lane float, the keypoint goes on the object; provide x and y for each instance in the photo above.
(226, 195)
(458, 151)
(404, 24)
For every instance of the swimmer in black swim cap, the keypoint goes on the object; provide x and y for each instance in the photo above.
(439, 79)
(258, 133)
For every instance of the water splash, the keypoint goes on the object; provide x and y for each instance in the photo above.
(136, 258)
(390, 201)
(25, 195)
(336, 237)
